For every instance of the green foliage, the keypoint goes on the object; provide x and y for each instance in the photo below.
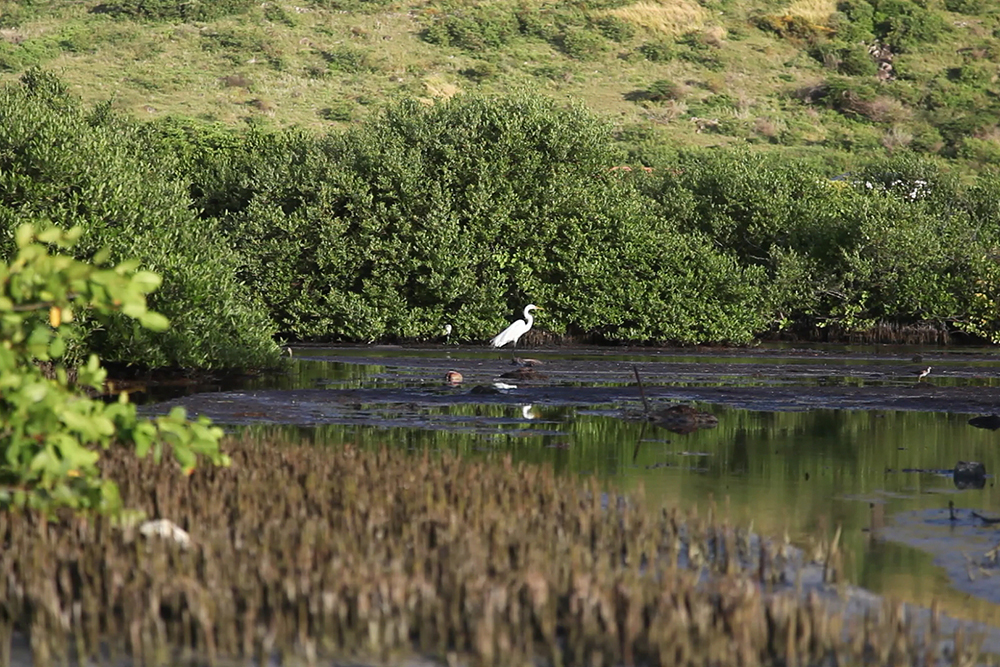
(972, 7)
(103, 174)
(52, 433)
(614, 28)
(463, 213)
(845, 58)
(658, 51)
(886, 244)
(904, 24)
(482, 27)
(175, 10)
(854, 21)
(583, 44)
(664, 89)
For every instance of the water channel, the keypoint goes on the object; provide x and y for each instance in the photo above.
(808, 439)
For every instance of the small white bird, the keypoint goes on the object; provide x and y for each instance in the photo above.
(447, 333)
(516, 329)
(924, 373)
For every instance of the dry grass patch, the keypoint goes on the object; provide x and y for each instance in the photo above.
(817, 12)
(440, 88)
(671, 17)
(715, 36)
(896, 137)
(883, 109)
(12, 35)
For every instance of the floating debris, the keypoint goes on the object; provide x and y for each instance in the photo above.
(991, 422)
(453, 377)
(524, 373)
(969, 474)
(683, 419)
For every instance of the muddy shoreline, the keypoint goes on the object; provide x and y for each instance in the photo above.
(762, 380)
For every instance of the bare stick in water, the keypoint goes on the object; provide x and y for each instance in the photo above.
(642, 390)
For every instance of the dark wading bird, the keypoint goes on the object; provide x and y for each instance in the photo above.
(516, 329)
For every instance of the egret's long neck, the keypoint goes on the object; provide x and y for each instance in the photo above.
(528, 317)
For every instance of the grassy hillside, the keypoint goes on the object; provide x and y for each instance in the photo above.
(792, 76)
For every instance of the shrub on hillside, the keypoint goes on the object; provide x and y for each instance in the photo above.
(94, 170)
(658, 51)
(845, 58)
(904, 24)
(474, 28)
(174, 10)
(854, 21)
(789, 26)
(582, 44)
(972, 7)
(615, 28)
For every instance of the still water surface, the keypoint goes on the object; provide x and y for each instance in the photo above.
(882, 475)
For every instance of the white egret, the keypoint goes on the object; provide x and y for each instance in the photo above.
(447, 333)
(516, 329)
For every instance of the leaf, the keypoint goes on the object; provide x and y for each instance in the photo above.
(154, 321)
(128, 266)
(24, 235)
(146, 281)
(57, 347)
(50, 235)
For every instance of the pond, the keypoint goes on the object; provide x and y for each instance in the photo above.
(807, 439)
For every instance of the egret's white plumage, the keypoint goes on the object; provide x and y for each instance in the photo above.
(516, 329)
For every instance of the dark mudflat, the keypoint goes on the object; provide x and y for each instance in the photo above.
(771, 380)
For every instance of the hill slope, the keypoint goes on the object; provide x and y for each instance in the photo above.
(813, 77)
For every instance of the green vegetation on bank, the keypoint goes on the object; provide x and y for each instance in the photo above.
(77, 166)
(463, 211)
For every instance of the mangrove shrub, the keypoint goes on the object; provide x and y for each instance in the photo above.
(462, 213)
(93, 169)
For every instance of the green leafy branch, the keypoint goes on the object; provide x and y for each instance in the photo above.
(53, 431)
